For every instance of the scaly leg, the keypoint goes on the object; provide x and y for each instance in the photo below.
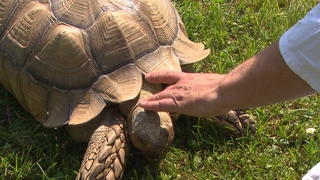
(107, 150)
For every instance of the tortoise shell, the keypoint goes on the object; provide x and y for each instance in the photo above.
(65, 60)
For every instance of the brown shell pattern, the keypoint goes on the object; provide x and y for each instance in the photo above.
(65, 60)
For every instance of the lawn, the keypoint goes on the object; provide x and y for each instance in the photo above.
(234, 31)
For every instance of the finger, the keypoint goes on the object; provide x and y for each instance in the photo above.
(165, 94)
(164, 77)
(166, 105)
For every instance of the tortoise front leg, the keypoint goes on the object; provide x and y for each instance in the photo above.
(107, 150)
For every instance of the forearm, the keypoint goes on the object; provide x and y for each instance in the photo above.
(263, 79)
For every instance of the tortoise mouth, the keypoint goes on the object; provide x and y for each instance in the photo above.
(156, 155)
(155, 150)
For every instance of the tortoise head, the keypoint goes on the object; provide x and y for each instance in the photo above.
(150, 132)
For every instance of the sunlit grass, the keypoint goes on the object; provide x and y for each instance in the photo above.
(234, 31)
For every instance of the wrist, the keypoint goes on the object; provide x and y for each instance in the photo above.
(219, 100)
(223, 95)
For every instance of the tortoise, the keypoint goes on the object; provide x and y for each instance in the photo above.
(80, 64)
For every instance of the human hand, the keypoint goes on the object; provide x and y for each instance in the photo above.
(187, 93)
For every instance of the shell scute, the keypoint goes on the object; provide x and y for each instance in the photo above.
(119, 38)
(84, 106)
(169, 62)
(35, 96)
(162, 17)
(11, 10)
(71, 67)
(121, 85)
(22, 37)
(78, 13)
(58, 108)
(10, 78)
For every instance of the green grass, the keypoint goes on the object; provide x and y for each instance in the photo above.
(234, 31)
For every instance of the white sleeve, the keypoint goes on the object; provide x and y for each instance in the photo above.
(313, 174)
(300, 48)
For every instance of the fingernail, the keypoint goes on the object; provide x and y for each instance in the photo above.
(142, 103)
(146, 75)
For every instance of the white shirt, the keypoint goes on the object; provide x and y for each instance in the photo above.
(300, 48)
(313, 174)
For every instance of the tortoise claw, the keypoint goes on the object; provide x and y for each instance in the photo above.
(236, 123)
